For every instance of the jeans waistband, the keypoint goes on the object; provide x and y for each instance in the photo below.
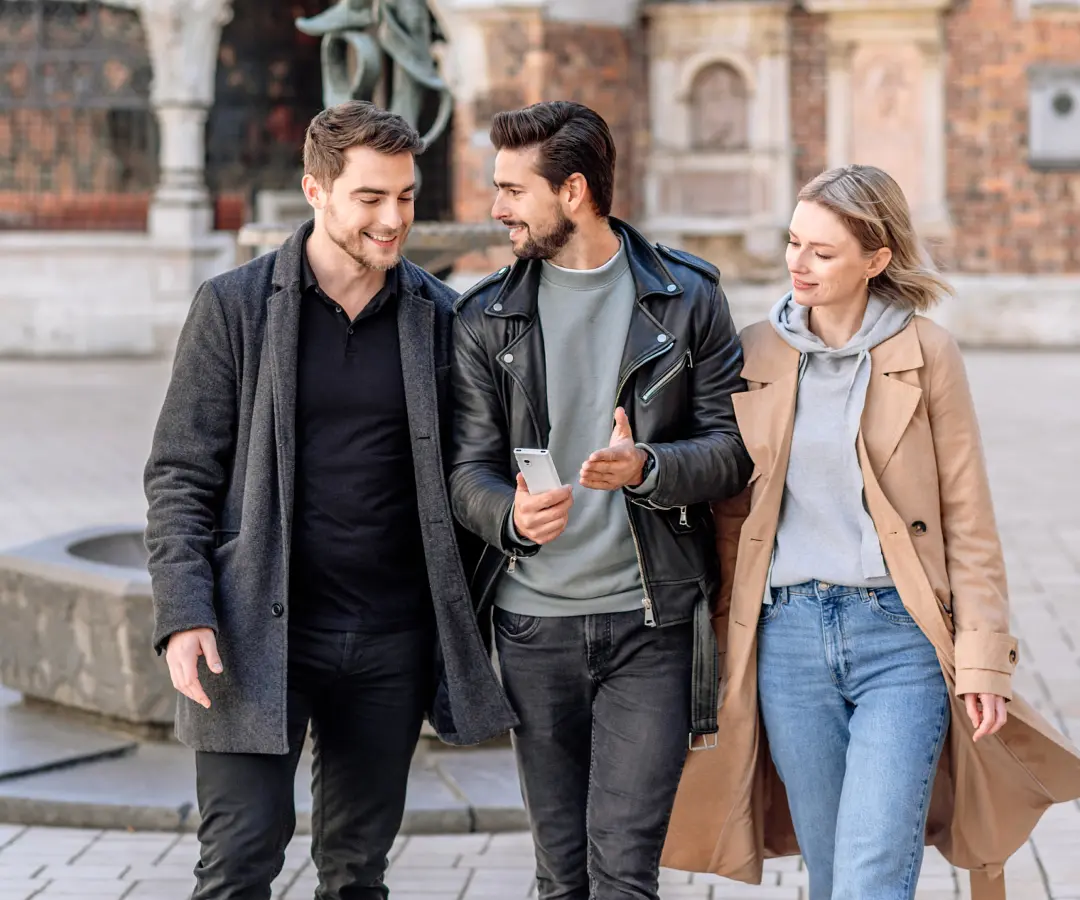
(822, 590)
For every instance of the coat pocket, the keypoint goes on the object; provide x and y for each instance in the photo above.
(684, 362)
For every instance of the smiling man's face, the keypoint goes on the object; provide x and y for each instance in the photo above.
(370, 207)
(538, 224)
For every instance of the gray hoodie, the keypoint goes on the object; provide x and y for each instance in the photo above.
(825, 531)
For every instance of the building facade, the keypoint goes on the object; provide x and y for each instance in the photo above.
(136, 136)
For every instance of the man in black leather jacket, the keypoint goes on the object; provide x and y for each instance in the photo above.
(619, 357)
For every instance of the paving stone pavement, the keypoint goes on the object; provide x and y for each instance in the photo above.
(73, 439)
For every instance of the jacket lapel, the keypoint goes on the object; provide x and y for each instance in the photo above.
(766, 414)
(283, 332)
(416, 335)
(891, 398)
(283, 336)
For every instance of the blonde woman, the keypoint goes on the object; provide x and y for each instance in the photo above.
(866, 619)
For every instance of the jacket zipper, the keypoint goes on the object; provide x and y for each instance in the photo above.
(511, 566)
(646, 600)
(669, 376)
(684, 520)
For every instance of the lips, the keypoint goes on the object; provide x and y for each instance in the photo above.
(800, 285)
(382, 240)
(516, 230)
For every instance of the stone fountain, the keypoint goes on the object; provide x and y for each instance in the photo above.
(380, 51)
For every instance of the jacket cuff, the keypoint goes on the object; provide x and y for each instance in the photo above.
(510, 533)
(985, 662)
(649, 484)
(166, 626)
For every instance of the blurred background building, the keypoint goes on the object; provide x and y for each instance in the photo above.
(138, 136)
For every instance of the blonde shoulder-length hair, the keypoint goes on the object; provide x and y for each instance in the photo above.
(873, 208)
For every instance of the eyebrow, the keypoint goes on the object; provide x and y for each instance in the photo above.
(813, 243)
(509, 184)
(381, 192)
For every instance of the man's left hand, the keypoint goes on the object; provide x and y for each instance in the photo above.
(619, 465)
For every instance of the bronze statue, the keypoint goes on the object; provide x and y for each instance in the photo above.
(391, 39)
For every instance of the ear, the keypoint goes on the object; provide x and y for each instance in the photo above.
(314, 193)
(878, 262)
(575, 191)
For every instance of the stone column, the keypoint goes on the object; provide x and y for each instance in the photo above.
(886, 96)
(183, 36)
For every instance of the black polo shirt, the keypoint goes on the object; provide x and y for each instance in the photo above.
(357, 550)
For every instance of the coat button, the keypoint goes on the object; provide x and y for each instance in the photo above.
(508, 358)
(277, 610)
(672, 288)
(918, 528)
(661, 338)
(497, 307)
(1012, 656)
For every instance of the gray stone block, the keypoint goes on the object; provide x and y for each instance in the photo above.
(34, 741)
(78, 624)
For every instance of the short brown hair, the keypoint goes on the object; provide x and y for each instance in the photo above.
(571, 139)
(874, 209)
(355, 123)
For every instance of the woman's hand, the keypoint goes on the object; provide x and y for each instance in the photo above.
(987, 713)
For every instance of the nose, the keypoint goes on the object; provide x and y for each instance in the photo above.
(796, 261)
(391, 217)
(499, 210)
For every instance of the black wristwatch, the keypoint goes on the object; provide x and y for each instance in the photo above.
(648, 465)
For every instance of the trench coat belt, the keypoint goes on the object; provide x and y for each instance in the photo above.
(988, 885)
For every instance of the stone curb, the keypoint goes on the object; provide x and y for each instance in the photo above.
(105, 816)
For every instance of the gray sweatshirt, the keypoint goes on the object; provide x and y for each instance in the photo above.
(825, 532)
(592, 566)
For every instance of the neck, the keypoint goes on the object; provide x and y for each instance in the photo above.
(593, 244)
(837, 323)
(341, 277)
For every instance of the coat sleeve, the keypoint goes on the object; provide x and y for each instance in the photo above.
(986, 653)
(186, 475)
(711, 463)
(481, 484)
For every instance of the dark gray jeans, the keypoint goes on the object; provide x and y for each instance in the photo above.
(604, 703)
(364, 695)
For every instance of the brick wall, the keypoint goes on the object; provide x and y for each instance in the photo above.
(1007, 217)
(531, 59)
(809, 74)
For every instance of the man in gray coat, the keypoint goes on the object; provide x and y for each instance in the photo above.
(301, 540)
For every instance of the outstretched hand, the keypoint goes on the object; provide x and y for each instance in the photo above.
(617, 466)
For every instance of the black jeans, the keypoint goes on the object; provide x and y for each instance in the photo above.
(364, 695)
(604, 703)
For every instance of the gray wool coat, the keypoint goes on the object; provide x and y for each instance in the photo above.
(219, 483)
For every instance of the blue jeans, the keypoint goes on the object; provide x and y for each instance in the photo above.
(856, 711)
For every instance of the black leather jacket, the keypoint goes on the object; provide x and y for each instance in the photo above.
(680, 365)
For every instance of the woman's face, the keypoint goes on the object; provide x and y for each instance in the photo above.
(827, 265)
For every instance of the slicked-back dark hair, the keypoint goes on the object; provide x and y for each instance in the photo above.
(355, 123)
(571, 139)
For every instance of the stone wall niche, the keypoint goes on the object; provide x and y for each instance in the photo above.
(886, 96)
(719, 176)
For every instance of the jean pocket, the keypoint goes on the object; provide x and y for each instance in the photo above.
(515, 626)
(770, 611)
(886, 603)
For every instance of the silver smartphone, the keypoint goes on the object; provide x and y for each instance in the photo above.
(539, 470)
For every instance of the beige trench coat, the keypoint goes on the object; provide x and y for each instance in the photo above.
(928, 494)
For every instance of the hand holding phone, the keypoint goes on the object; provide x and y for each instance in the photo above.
(542, 504)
